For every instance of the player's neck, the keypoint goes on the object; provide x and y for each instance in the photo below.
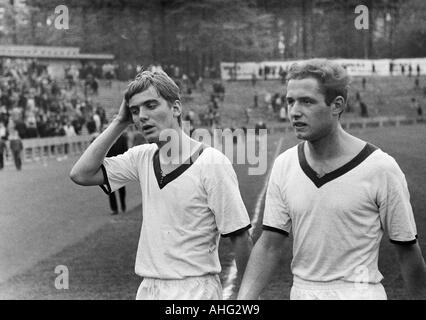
(178, 149)
(335, 144)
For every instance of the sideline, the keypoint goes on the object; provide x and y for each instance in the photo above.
(231, 273)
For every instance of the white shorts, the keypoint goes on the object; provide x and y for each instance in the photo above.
(206, 287)
(336, 290)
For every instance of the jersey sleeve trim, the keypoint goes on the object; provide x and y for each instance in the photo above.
(404, 242)
(106, 187)
(236, 232)
(268, 228)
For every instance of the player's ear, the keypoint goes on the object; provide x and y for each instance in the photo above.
(338, 105)
(177, 109)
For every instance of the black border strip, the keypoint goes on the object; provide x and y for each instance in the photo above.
(268, 228)
(106, 189)
(319, 182)
(236, 232)
(403, 243)
(163, 181)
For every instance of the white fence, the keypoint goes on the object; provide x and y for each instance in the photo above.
(362, 123)
(354, 67)
(41, 149)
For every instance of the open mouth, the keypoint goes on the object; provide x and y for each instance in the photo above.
(299, 124)
(147, 128)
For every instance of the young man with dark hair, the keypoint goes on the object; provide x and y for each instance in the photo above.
(336, 194)
(189, 197)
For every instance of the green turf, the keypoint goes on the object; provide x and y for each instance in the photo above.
(101, 262)
(384, 96)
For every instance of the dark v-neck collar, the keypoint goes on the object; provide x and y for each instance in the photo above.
(320, 181)
(164, 180)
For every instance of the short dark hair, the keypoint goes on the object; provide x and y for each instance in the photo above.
(163, 84)
(333, 78)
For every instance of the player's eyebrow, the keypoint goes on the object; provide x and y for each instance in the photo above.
(306, 97)
(300, 98)
(137, 105)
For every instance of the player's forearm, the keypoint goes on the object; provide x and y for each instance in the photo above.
(261, 265)
(242, 246)
(414, 276)
(91, 160)
(413, 269)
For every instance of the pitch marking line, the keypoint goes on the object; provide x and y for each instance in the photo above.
(231, 274)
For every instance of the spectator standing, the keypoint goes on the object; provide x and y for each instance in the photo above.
(268, 100)
(283, 113)
(416, 106)
(3, 130)
(419, 112)
(277, 102)
(91, 125)
(283, 75)
(3, 150)
(416, 82)
(69, 133)
(364, 109)
(135, 137)
(98, 121)
(200, 84)
(16, 148)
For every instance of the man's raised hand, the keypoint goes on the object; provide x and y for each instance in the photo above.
(124, 116)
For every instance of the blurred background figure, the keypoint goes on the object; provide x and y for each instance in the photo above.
(283, 113)
(415, 105)
(16, 147)
(3, 151)
(135, 137)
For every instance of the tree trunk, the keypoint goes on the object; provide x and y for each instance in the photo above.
(304, 28)
(163, 47)
(153, 38)
(33, 27)
(368, 34)
(85, 31)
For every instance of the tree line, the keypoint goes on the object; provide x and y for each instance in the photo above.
(195, 34)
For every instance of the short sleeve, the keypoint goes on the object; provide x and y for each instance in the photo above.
(224, 198)
(276, 216)
(396, 213)
(120, 170)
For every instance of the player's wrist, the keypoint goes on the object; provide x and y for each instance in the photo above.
(121, 121)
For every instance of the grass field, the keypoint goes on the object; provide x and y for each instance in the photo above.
(47, 222)
(384, 96)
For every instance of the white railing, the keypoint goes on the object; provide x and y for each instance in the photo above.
(44, 148)
(361, 123)
(40, 149)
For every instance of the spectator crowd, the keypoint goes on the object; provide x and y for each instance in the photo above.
(36, 105)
